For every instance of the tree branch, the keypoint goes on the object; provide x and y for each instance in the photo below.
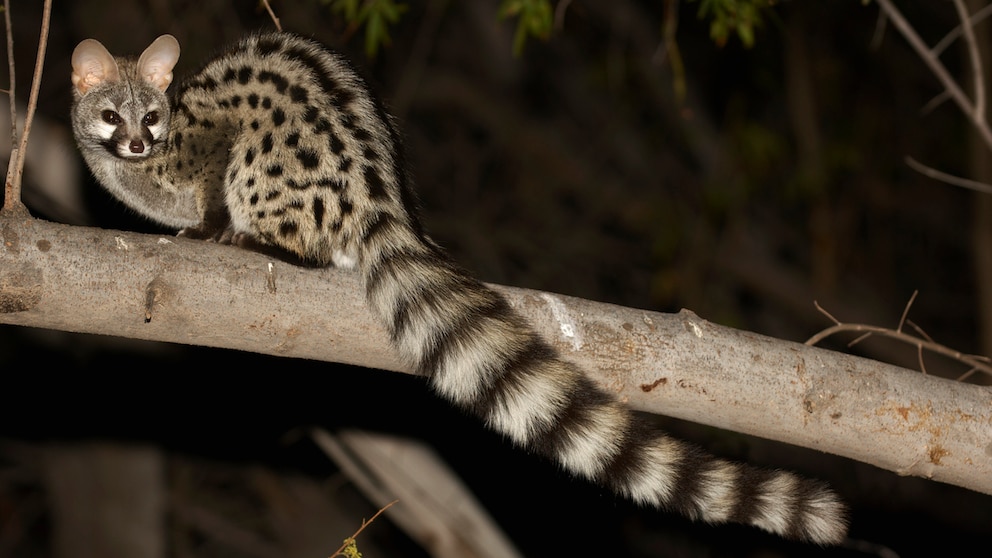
(12, 189)
(166, 288)
(953, 34)
(938, 69)
(977, 363)
(10, 69)
(976, 61)
(948, 178)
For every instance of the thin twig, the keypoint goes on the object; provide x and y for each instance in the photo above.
(10, 65)
(825, 313)
(951, 36)
(362, 528)
(13, 192)
(970, 360)
(976, 60)
(859, 339)
(922, 343)
(948, 178)
(272, 14)
(919, 330)
(966, 375)
(936, 67)
(12, 195)
(937, 100)
(905, 311)
(39, 65)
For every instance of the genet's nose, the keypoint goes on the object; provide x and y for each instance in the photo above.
(136, 146)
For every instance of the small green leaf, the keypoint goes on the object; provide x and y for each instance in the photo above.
(535, 18)
(740, 17)
(374, 15)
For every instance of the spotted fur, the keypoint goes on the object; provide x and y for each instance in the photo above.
(278, 140)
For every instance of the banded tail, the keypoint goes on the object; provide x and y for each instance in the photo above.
(481, 355)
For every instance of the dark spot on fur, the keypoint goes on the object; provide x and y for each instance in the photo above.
(333, 183)
(279, 81)
(318, 212)
(323, 125)
(244, 75)
(308, 157)
(267, 45)
(342, 98)
(312, 62)
(310, 114)
(298, 94)
(361, 134)
(377, 188)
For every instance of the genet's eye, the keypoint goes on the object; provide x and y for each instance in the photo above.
(111, 117)
(150, 119)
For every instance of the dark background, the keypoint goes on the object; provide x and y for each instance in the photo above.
(776, 180)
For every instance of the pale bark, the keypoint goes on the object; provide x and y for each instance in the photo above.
(178, 290)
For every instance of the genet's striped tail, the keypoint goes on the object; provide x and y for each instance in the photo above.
(481, 355)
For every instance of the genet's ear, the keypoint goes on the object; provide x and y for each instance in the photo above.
(156, 63)
(92, 65)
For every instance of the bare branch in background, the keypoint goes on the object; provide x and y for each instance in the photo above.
(976, 61)
(948, 178)
(10, 66)
(935, 65)
(272, 14)
(975, 111)
(977, 363)
(953, 35)
(15, 169)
